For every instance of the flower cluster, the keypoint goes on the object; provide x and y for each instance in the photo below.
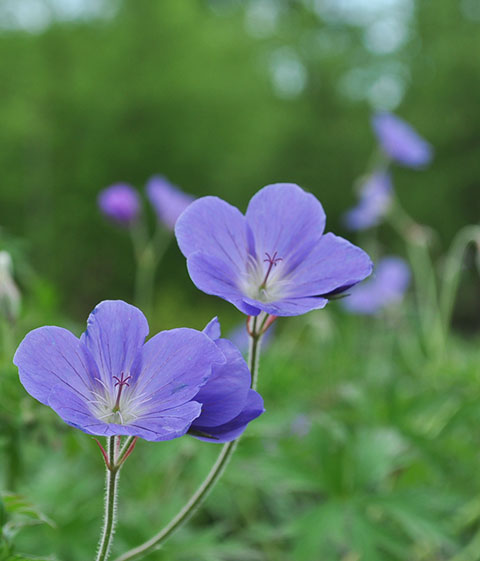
(110, 382)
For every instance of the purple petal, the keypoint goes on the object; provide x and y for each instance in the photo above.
(286, 220)
(212, 226)
(215, 276)
(334, 265)
(172, 366)
(168, 201)
(290, 306)
(400, 141)
(115, 333)
(212, 329)
(154, 425)
(51, 356)
(234, 428)
(224, 395)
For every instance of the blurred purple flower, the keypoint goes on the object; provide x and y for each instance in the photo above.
(228, 403)
(109, 382)
(275, 258)
(120, 202)
(400, 141)
(375, 201)
(386, 287)
(168, 201)
(301, 425)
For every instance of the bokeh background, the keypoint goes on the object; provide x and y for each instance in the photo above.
(369, 449)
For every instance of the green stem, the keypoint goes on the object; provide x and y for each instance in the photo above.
(110, 504)
(209, 482)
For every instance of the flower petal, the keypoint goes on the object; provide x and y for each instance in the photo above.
(224, 395)
(212, 329)
(286, 220)
(215, 228)
(234, 428)
(333, 266)
(215, 276)
(162, 425)
(294, 306)
(172, 366)
(115, 333)
(49, 356)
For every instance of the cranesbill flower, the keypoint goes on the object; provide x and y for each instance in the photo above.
(400, 141)
(375, 201)
(168, 201)
(120, 203)
(228, 403)
(386, 288)
(110, 382)
(275, 258)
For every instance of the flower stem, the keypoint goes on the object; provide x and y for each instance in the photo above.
(209, 482)
(110, 504)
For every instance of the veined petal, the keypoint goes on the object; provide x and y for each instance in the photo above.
(115, 333)
(286, 220)
(293, 306)
(171, 368)
(215, 228)
(164, 424)
(333, 266)
(154, 425)
(224, 395)
(234, 428)
(51, 356)
(214, 276)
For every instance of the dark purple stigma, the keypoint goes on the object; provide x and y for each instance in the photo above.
(272, 261)
(121, 382)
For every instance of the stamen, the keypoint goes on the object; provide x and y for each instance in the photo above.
(121, 382)
(272, 261)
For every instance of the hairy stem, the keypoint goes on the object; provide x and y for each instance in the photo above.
(209, 482)
(110, 504)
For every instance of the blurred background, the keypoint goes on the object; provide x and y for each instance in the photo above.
(222, 97)
(369, 447)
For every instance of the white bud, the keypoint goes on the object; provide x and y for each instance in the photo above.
(9, 293)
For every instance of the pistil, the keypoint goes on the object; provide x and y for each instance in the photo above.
(272, 261)
(121, 382)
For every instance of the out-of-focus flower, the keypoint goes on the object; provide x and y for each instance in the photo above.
(386, 287)
(168, 201)
(228, 403)
(9, 293)
(275, 258)
(301, 425)
(120, 203)
(375, 201)
(400, 141)
(109, 382)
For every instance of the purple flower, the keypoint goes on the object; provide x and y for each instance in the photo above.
(400, 141)
(375, 201)
(228, 403)
(275, 258)
(168, 201)
(386, 287)
(120, 202)
(110, 382)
